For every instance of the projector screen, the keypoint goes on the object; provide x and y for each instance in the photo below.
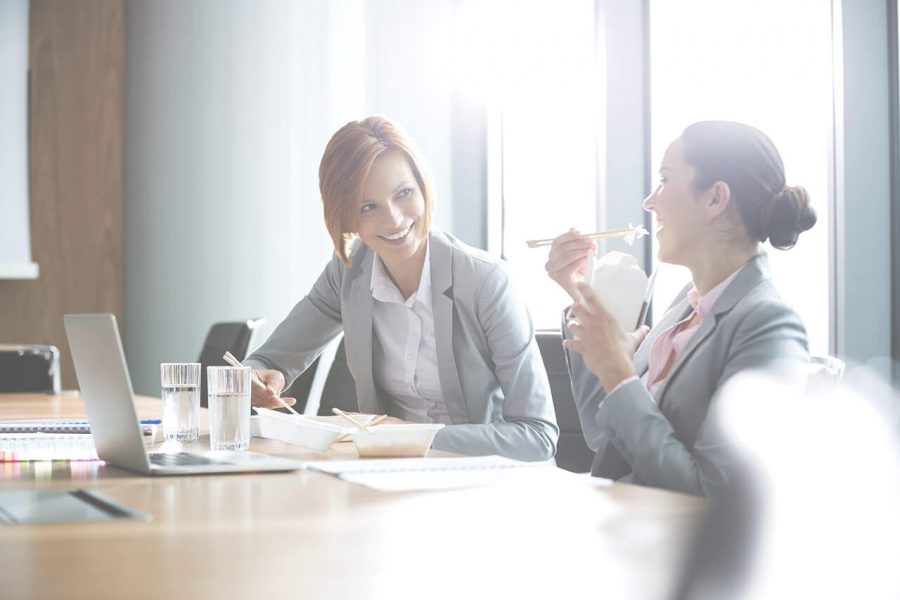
(15, 243)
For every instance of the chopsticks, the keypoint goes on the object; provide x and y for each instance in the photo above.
(359, 425)
(234, 362)
(636, 232)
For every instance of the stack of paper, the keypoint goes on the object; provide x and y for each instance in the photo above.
(418, 474)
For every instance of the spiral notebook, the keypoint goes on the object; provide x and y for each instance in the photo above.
(52, 439)
(20, 447)
(62, 426)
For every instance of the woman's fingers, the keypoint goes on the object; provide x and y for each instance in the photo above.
(575, 345)
(265, 386)
(589, 302)
(568, 243)
(567, 259)
(567, 250)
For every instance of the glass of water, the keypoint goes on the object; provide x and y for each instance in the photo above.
(181, 401)
(229, 407)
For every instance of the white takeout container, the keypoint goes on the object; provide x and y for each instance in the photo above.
(620, 283)
(292, 429)
(395, 440)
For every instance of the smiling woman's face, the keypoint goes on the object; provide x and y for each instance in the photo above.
(392, 209)
(682, 224)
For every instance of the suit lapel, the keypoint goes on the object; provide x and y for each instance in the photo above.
(677, 311)
(357, 318)
(751, 275)
(442, 306)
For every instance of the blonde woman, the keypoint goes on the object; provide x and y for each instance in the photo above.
(434, 330)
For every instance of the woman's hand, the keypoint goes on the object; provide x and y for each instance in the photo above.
(568, 256)
(607, 350)
(266, 394)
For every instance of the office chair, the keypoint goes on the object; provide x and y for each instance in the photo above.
(29, 368)
(235, 337)
(572, 451)
(325, 384)
(301, 387)
(340, 388)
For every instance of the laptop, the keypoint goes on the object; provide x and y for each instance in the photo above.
(109, 400)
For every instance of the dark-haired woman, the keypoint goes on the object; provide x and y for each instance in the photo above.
(646, 400)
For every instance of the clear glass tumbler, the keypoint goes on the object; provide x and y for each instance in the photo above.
(229, 407)
(181, 401)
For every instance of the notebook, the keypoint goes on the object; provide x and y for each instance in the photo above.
(108, 397)
(19, 447)
(62, 426)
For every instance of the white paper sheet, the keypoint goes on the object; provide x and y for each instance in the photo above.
(421, 474)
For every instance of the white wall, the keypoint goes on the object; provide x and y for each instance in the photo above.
(15, 248)
(409, 78)
(229, 106)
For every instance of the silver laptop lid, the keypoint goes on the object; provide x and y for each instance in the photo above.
(106, 390)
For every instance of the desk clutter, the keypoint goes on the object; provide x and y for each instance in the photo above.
(23, 447)
(53, 439)
(407, 469)
(371, 440)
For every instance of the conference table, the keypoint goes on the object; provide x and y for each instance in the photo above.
(537, 532)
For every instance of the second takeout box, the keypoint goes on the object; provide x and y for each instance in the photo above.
(306, 432)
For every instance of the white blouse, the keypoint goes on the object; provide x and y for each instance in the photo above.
(404, 353)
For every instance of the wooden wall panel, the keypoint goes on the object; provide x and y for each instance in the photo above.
(77, 61)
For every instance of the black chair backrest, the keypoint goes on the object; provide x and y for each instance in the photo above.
(29, 368)
(301, 387)
(234, 337)
(340, 387)
(572, 452)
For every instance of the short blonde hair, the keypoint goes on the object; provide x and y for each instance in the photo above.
(345, 166)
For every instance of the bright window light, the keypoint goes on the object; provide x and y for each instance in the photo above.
(767, 63)
(533, 63)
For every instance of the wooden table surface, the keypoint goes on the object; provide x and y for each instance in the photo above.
(539, 532)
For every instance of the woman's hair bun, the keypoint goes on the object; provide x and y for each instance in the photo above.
(786, 216)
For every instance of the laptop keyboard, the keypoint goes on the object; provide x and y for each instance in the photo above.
(181, 459)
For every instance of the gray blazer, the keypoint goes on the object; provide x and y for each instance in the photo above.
(492, 376)
(672, 441)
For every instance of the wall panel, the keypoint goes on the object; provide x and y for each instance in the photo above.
(76, 56)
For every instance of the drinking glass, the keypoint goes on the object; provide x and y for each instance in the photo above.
(181, 401)
(229, 407)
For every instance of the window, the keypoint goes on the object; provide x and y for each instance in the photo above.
(767, 63)
(536, 71)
